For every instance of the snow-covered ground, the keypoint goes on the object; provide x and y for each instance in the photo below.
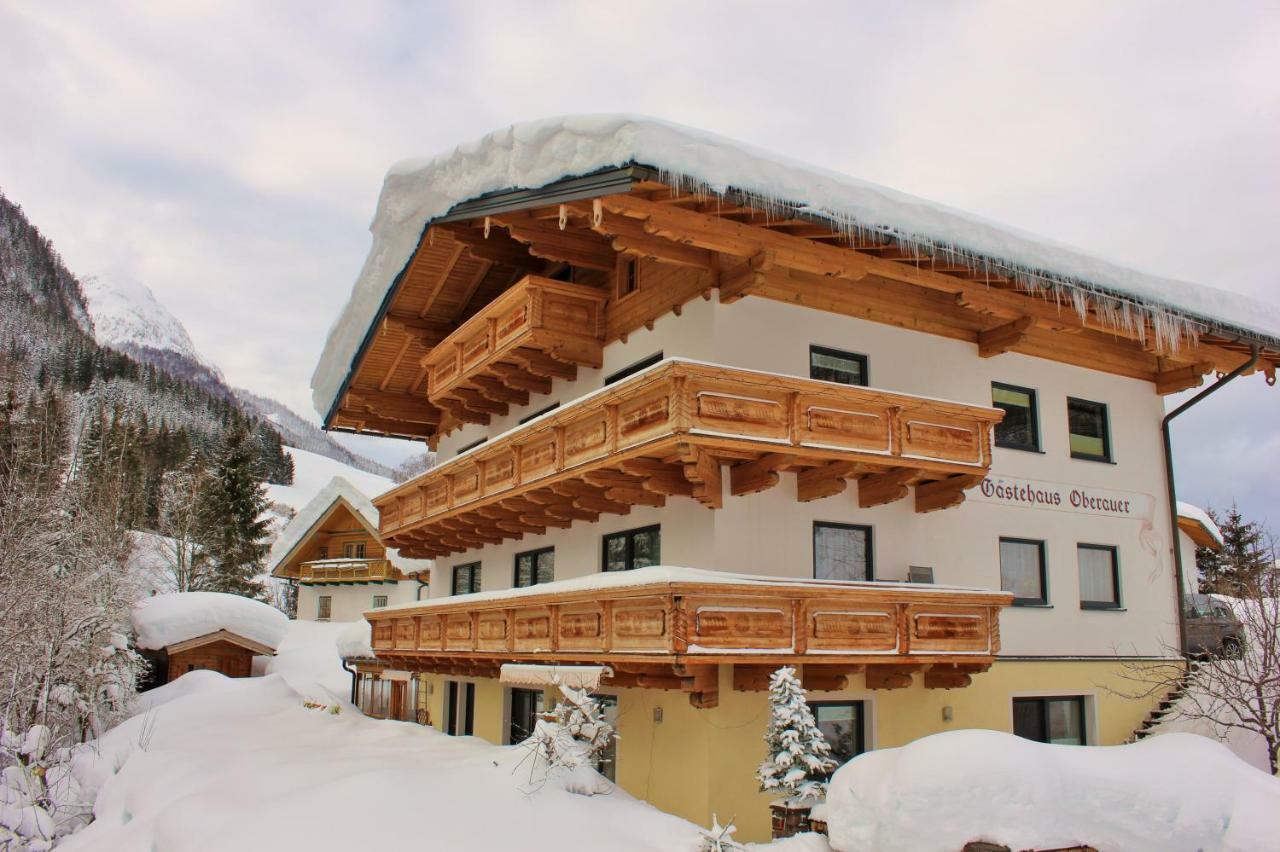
(214, 764)
(312, 472)
(1165, 794)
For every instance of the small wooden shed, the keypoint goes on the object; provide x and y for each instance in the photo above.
(223, 651)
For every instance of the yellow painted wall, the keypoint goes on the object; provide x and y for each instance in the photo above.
(696, 763)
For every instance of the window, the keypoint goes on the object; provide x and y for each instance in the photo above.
(632, 549)
(353, 550)
(841, 552)
(535, 566)
(324, 607)
(526, 704)
(1099, 576)
(1090, 434)
(535, 415)
(1022, 571)
(1050, 720)
(1020, 428)
(459, 709)
(832, 365)
(843, 723)
(628, 275)
(379, 601)
(642, 364)
(466, 578)
(324, 553)
(470, 446)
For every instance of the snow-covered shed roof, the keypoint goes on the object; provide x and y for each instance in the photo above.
(166, 620)
(1197, 524)
(339, 491)
(534, 154)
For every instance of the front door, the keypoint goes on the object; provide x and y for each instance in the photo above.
(526, 704)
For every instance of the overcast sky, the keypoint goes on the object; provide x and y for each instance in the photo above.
(230, 157)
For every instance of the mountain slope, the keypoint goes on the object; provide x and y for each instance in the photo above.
(127, 317)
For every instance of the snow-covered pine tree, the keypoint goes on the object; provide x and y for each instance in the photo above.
(1237, 567)
(799, 757)
(232, 532)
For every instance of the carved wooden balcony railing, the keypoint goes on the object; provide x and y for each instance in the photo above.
(536, 331)
(672, 633)
(668, 431)
(347, 571)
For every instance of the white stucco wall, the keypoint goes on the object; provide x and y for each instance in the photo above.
(351, 602)
(771, 533)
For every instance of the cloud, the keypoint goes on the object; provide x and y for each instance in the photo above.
(230, 154)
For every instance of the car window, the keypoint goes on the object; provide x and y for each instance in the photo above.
(1221, 612)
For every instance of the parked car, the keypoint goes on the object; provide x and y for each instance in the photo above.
(1212, 628)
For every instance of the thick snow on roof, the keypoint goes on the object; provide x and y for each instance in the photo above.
(168, 619)
(659, 575)
(355, 642)
(1201, 517)
(537, 153)
(1178, 792)
(337, 488)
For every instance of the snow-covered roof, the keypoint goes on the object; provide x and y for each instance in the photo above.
(661, 575)
(355, 642)
(166, 620)
(1199, 516)
(538, 153)
(338, 490)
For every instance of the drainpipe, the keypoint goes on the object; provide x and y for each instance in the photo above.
(1173, 491)
(417, 595)
(352, 672)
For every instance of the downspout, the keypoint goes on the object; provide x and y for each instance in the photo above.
(1173, 491)
(352, 672)
(417, 595)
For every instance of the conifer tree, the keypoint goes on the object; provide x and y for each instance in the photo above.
(1236, 568)
(799, 757)
(233, 534)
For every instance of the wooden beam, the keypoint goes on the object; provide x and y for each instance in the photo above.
(943, 493)
(629, 237)
(1002, 338)
(392, 406)
(541, 364)
(659, 477)
(759, 475)
(751, 678)
(1182, 378)
(520, 379)
(880, 488)
(441, 279)
(946, 680)
(704, 472)
(828, 480)
(889, 677)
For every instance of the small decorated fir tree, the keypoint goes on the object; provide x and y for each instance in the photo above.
(799, 758)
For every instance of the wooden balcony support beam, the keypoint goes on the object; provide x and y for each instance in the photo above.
(826, 480)
(878, 489)
(541, 364)
(943, 493)
(496, 390)
(1182, 378)
(1002, 338)
(703, 470)
(758, 475)
(518, 378)
(890, 677)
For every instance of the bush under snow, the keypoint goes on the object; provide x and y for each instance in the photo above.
(1171, 793)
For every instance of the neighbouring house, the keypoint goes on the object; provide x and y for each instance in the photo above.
(700, 411)
(331, 550)
(186, 631)
(1197, 530)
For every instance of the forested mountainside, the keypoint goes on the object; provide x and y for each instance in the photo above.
(303, 434)
(144, 418)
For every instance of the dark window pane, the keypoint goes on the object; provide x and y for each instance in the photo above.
(842, 725)
(615, 553)
(841, 552)
(1022, 570)
(1018, 429)
(1087, 423)
(1028, 719)
(546, 566)
(645, 549)
(832, 365)
(524, 570)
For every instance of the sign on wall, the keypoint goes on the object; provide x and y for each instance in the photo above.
(1063, 497)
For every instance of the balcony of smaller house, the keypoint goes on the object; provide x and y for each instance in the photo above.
(347, 570)
(536, 331)
(680, 429)
(671, 628)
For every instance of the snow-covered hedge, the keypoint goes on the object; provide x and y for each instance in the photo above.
(168, 619)
(1165, 793)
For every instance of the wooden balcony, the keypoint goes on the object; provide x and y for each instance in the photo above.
(670, 628)
(347, 571)
(669, 431)
(534, 332)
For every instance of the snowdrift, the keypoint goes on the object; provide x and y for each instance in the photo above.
(164, 620)
(1177, 792)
